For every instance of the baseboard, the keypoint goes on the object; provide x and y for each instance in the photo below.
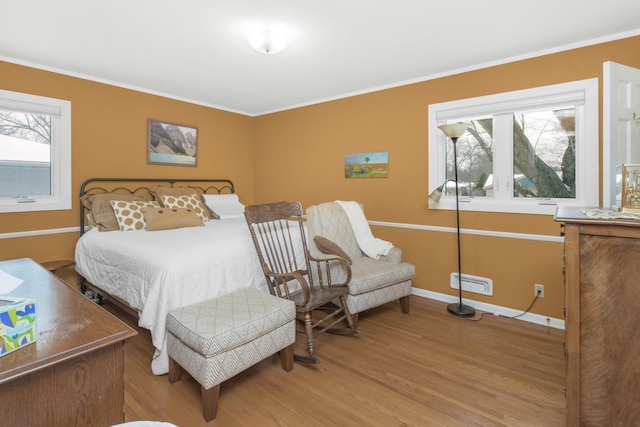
(491, 308)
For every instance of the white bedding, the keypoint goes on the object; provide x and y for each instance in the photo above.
(158, 271)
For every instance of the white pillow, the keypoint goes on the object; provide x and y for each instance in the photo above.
(221, 198)
(226, 206)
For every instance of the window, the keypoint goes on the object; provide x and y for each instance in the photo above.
(527, 151)
(35, 153)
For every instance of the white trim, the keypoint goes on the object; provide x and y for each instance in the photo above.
(609, 159)
(32, 233)
(496, 310)
(505, 103)
(486, 233)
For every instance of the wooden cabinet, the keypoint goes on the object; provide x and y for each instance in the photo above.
(602, 292)
(73, 374)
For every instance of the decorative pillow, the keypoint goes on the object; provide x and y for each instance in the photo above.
(169, 218)
(160, 191)
(329, 247)
(129, 214)
(101, 211)
(225, 206)
(187, 202)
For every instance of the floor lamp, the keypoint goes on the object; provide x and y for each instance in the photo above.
(455, 131)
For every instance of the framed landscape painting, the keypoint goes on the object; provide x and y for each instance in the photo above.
(367, 165)
(172, 144)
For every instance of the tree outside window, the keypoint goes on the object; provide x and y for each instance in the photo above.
(543, 155)
(25, 154)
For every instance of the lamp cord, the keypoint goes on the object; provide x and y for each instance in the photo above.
(478, 318)
(535, 298)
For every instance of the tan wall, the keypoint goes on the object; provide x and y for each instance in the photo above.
(109, 138)
(300, 155)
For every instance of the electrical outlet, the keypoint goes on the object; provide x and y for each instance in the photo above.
(538, 290)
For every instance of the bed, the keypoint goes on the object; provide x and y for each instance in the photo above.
(155, 271)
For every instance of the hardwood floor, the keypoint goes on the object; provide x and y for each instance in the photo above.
(427, 368)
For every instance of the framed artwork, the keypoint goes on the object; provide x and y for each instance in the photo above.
(172, 144)
(367, 165)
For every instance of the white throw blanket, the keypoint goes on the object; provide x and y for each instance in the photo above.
(371, 246)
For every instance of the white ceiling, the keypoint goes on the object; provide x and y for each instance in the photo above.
(197, 50)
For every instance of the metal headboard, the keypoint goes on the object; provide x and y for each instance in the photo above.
(142, 187)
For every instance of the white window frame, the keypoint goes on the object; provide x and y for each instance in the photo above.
(60, 112)
(583, 94)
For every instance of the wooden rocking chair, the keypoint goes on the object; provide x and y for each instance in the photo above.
(278, 234)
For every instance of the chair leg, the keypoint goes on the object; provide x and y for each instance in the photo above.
(175, 371)
(308, 327)
(286, 357)
(308, 332)
(352, 325)
(404, 304)
(210, 399)
(354, 318)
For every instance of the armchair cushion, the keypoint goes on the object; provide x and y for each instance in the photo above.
(368, 274)
(327, 246)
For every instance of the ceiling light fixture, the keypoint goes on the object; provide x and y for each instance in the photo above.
(268, 41)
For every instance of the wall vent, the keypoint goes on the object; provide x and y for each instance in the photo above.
(475, 284)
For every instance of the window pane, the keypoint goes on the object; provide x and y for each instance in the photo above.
(25, 154)
(537, 147)
(475, 159)
(543, 154)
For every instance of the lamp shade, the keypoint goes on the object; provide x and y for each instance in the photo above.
(454, 130)
(436, 194)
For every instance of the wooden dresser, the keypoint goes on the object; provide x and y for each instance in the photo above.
(602, 297)
(73, 374)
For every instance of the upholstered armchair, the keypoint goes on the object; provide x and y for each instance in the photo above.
(373, 281)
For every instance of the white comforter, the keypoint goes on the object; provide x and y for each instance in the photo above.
(158, 271)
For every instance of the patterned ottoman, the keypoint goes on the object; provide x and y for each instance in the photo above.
(214, 340)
